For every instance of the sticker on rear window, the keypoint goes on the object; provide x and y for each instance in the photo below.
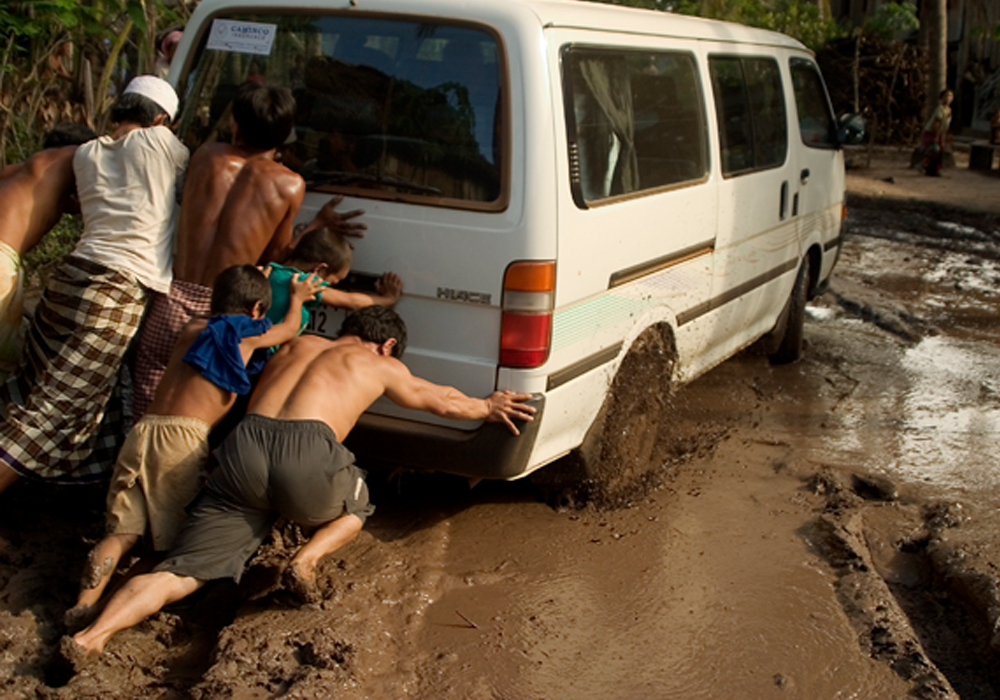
(242, 37)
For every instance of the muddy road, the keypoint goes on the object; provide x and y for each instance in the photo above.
(827, 529)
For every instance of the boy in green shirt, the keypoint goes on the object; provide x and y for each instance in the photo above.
(328, 256)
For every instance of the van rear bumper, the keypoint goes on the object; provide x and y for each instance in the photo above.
(488, 452)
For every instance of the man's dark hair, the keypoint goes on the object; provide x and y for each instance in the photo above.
(67, 134)
(136, 109)
(323, 246)
(238, 288)
(376, 324)
(264, 113)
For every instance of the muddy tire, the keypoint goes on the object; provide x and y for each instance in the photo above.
(789, 348)
(621, 449)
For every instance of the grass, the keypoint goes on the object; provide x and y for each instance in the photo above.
(52, 249)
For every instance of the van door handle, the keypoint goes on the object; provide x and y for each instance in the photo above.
(783, 212)
(804, 175)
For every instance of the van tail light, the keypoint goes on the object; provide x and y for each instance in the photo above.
(526, 324)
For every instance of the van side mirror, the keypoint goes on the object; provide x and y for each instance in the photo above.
(850, 129)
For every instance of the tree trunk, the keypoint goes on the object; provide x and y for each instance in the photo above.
(935, 15)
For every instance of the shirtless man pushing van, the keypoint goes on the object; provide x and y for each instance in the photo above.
(33, 197)
(286, 458)
(238, 207)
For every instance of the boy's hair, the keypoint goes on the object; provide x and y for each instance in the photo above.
(238, 288)
(67, 134)
(136, 109)
(323, 246)
(264, 113)
(376, 324)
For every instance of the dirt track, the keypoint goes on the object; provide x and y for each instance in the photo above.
(822, 530)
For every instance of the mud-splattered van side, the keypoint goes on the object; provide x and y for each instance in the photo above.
(563, 186)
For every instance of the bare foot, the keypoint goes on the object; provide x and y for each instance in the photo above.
(302, 586)
(77, 658)
(78, 617)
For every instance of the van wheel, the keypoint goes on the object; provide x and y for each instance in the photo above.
(621, 450)
(789, 349)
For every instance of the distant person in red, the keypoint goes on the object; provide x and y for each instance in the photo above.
(936, 133)
(168, 47)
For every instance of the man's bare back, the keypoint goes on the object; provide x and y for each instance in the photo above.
(33, 196)
(238, 207)
(335, 381)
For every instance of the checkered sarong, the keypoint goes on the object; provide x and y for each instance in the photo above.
(166, 318)
(55, 406)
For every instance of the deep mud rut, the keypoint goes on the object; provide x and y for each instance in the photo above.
(827, 529)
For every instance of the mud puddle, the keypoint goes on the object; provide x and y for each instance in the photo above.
(821, 530)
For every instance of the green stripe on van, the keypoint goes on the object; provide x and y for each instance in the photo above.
(582, 321)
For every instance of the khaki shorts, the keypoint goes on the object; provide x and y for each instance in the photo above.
(160, 469)
(11, 309)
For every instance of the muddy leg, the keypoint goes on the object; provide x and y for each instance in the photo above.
(300, 576)
(133, 603)
(101, 564)
(7, 477)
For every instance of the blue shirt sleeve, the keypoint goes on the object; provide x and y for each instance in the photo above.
(216, 351)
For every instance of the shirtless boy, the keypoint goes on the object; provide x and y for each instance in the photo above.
(161, 466)
(238, 207)
(33, 197)
(308, 400)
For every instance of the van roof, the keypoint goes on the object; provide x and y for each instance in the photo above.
(579, 14)
(576, 14)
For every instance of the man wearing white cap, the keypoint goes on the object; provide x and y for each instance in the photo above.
(93, 302)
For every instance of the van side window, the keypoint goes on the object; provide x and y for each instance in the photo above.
(635, 120)
(816, 122)
(386, 108)
(750, 110)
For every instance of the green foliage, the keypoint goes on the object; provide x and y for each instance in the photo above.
(893, 20)
(642, 4)
(56, 244)
(56, 58)
(800, 19)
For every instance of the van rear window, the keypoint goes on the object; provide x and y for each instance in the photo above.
(386, 108)
(635, 120)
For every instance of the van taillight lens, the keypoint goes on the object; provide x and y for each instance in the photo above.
(526, 326)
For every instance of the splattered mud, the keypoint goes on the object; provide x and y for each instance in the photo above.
(826, 529)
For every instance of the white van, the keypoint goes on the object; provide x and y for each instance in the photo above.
(570, 192)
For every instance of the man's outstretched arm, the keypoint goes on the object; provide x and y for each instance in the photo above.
(448, 402)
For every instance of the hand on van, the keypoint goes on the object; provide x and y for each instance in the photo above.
(389, 287)
(330, 218)
(387, 291)
(505, 405)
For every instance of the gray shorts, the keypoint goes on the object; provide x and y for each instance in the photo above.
(266, 468)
